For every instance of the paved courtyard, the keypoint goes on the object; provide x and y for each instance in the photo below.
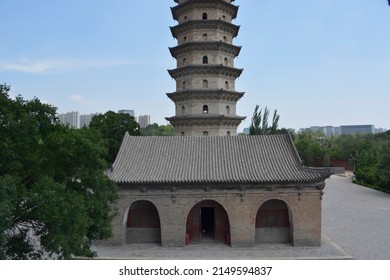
(357, 219)
(356, 225)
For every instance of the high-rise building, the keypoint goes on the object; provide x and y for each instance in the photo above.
(72, 119)
(357, 129)
(347, 129)
(205, 96)
(327, 130)
(125, 111)
(144, 120)
(86, 119)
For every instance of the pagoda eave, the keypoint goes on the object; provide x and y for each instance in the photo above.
(219, 70)
(222, 25)
(205, 4)
(206, 94)
(205, 120)
(205, 46)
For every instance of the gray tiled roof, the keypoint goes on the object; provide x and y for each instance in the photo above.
(186, 159)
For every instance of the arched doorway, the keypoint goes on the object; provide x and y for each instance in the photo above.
(208, 221)
(273, 223)
(143, 223)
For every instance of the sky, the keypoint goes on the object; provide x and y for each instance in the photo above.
(318, 62)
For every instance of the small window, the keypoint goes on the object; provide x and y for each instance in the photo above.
(185, 39)
(183, 85)
(224, 18)
(205, 133)
(228, 133)
(227, 110)
(183, 110)
(226, 85)
(224, 39)
(205, 60)
(225, 62)
(182, 133)
(205, 109)
(204, 16)
(204, 36)
(205, 84)
(185, 18)
(184, 61)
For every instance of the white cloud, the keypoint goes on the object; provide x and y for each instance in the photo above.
(82, 100)
(57, 65)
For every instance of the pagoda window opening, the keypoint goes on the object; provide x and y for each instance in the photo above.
(183, 85)
(185, 39)
(185, 18)
(205, 133)
(224, 18)
(204, 36)
(204, 16)
(224, 39)
(225, 61)
(226, 85)
(184, 61)
(183, 110)
(228, 133)
(182, 133)
(228, 110)
(205, 109)
(205, 60)
(205, 84)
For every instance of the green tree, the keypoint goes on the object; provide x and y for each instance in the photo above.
(55, 198)
(113, 126)
(384, 167)
(260, 124)
(366, 166)
(309, 145)
(156, 130)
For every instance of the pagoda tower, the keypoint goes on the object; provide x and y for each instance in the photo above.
(205, 96)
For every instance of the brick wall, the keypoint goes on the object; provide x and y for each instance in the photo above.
(241, 204)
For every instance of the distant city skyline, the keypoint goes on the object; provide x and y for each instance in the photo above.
(76, 120)
(316, 62)
(347, 129)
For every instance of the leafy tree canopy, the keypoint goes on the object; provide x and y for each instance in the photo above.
(55, 198)
(369, 154)
(156, 130)
(112, 127)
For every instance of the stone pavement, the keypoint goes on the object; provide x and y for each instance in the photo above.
(218, 251)
(357, 219)
(356, 225)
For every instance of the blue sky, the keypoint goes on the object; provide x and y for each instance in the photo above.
(319, 62)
